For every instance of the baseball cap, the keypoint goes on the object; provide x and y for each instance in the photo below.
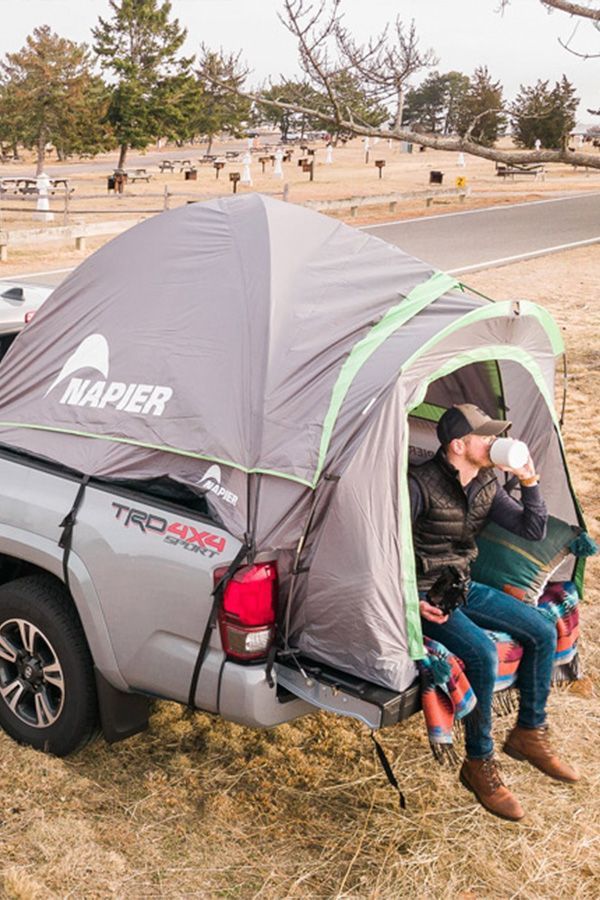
(466, 418)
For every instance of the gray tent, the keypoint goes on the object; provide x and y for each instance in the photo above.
(288, 366)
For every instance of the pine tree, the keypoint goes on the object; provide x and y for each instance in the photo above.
(479, 112)
(220, 108)
(48, 93)
(140, 46)
(434, 103)
(288, 120)
(544, 114)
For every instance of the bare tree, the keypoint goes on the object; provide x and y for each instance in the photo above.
(574, 9)
(386, 65)
(326, 49)
(577, 11)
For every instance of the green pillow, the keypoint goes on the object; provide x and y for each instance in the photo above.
(518, 566)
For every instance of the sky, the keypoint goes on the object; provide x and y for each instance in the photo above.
(518, 46)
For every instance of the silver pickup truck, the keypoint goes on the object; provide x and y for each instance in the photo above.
(88, 638)
(204, 440)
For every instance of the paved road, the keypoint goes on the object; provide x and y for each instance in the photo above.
(477, 239)
(474, 239)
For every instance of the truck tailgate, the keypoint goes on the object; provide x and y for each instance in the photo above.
(345, 694)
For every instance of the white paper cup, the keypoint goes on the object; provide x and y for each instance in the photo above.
(509, 452)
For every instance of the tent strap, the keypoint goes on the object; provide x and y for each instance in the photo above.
(387, 768)
(297, 568)
(561, 418)
(246, 551)
(281, 647)
(67, 526)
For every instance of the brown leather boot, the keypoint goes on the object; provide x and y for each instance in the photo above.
(481, 776)
(533, 745)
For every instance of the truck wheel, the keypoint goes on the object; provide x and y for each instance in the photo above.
(47, 687)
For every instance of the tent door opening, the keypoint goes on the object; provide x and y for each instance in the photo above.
(344, 694)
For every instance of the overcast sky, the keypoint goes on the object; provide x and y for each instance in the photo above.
(518, 47)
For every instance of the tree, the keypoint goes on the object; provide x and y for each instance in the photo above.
(479, 116)
(12, 116)
(544, 114)
(435, 103)
(220, 78)
(48, 93)
(386, 65)
(315, 28)
(363, 106)
(286, 118)
(140, 46)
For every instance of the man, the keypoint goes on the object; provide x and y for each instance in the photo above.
(452, 497)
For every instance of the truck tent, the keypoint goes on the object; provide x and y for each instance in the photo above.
(288, 367)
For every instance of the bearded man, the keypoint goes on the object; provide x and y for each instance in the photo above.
(453, 496)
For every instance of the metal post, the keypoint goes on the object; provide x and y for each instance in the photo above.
(66, 206)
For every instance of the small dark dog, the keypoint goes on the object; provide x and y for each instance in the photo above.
(449, 591)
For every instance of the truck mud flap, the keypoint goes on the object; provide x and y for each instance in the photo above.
(346, 695)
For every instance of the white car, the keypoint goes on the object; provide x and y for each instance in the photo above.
(19, 301)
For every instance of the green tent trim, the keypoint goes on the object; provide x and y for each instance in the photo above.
(420, 297)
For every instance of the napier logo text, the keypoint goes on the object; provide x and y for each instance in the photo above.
(92, 353)
(211, 481)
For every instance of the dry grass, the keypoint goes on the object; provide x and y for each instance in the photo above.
(197, 807)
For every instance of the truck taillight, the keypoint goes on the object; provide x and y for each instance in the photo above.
(248, 611)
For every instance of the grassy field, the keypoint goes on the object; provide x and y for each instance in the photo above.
(196, 807)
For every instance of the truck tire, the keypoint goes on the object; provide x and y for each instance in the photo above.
(47, 687)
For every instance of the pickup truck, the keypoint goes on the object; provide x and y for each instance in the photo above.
(19, 301)
(94, 628)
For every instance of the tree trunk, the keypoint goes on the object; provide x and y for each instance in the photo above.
(210, 143)
(41, 153)
(122, 156)
(399, 109)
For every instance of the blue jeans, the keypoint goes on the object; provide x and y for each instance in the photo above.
(462, 635)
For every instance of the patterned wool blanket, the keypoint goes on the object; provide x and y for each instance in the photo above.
(447, 696)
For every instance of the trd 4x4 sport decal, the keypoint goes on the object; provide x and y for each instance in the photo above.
(187, 536)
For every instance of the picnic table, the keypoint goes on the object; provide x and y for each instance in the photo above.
(505, 171)
(207, 159)
(139, 175)
(55, 183)
(8, 184)
(26, 186)
(167, 165)
(22, 185)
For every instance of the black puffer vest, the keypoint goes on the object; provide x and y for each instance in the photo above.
(445, 531)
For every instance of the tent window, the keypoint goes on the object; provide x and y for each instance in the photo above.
(478, 383)
(431, 412)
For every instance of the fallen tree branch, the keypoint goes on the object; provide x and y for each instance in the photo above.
(573, 9)
(439, 142)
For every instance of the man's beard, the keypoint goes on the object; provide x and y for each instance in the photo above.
(486, 463)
